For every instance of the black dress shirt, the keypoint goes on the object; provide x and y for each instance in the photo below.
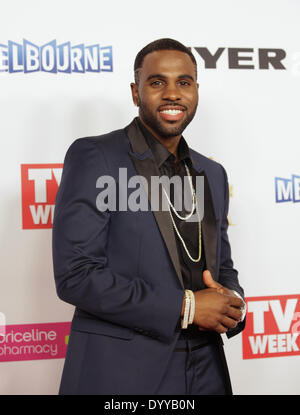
(191, 271)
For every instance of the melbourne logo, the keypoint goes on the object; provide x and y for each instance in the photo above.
(272, 327)
(53, 58)
(39, 186)
(287, 190)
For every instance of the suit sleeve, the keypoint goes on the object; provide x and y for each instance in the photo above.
(82, 273)
(228, 276)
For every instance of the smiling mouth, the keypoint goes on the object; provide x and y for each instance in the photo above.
(172, 114)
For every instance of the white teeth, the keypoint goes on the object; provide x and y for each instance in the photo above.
(171, 112)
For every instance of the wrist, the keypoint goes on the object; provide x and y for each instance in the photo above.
(188, 309)
(182, 307)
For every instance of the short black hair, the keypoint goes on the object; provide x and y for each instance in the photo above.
(160, 44)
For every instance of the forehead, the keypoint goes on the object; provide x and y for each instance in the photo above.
(168, 63)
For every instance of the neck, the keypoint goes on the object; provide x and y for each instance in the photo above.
(170, 143)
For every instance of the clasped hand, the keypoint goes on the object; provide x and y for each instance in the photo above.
(216, 307)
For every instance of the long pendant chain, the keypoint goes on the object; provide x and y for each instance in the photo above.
(195, 205)
(193, 198)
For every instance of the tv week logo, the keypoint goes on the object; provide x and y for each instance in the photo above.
(39, 186)
(272, 327)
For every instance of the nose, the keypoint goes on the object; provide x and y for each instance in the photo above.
(171, 92)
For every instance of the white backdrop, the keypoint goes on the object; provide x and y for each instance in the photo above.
(248, 119)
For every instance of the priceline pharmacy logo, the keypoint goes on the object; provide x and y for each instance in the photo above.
(34, 341)
(27, 57)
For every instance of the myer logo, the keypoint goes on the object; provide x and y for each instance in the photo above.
(39, 186)
(53, 58)
(272, 327)
(242, 58)
(287, 190)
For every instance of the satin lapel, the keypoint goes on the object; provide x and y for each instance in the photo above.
(143, 160)
(209, 230)
(208, 225)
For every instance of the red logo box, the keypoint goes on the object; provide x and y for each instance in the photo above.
(34, 341)
(272, 327)
(39, 186)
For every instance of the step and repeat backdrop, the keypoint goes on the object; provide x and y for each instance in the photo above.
(65, 71)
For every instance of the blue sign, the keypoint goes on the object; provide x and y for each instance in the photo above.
(287, 190)
(53, 58)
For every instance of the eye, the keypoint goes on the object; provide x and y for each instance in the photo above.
(184, 83)
(157, 83)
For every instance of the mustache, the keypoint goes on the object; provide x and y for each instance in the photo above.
(172, 104)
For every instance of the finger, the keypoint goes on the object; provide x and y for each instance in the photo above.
(220, 328)
(234, 301)
(234, 313)
(209, 281)
(228, 322)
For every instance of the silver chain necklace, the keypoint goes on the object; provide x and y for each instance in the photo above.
(194, 206)
(194, 201)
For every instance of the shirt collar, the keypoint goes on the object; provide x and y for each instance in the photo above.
(160, 153)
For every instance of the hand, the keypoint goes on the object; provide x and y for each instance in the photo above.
(216, 307)
(211, 283)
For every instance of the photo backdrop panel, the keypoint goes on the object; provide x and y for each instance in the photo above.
(65, 73)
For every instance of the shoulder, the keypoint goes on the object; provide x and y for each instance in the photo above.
(88, 158)
(109, 141)
(101, 148)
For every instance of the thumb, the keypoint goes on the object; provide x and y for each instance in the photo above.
(209, 281)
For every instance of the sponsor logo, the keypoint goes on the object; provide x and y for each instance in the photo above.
(34, 341)
(2, 324)
(53, 58)
(287, 190)
(241, 58)
(272, 327)
(39, 186)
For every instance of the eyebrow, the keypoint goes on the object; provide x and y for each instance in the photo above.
(159, 75)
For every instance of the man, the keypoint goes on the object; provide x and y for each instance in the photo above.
(152, 290)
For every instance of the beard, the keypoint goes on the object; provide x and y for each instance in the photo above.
(165, 131)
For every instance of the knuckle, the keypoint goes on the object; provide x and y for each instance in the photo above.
(240, 304)
(227, 299)
(233, 324)
(225, 309)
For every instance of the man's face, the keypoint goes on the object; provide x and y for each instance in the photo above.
(167, 92)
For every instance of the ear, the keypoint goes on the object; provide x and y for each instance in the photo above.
(134, 93)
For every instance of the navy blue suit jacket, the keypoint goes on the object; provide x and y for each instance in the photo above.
(120, 269)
